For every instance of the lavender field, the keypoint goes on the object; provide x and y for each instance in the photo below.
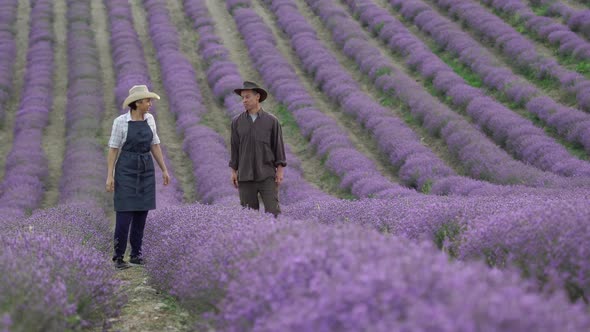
(438, 171)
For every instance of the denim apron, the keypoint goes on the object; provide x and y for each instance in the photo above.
(135, 182)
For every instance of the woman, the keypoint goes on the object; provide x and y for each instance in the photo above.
(133, 181)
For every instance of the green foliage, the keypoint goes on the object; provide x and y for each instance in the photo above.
(378, 27)
(575, 149)
(583, 67)
(462, 70)
(446, 236)
(383, 71)
(290, 126)
(426, 187)
(540, 10)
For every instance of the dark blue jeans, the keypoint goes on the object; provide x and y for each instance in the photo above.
(135, 219)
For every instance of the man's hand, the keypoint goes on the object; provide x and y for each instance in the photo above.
(110, 185)
(279, 175)
(234, 177)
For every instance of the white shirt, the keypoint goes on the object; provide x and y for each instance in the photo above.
(120, 127)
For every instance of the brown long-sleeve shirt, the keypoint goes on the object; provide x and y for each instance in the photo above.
(257, 147)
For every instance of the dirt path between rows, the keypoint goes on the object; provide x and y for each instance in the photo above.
(360, 137)
(103, 46)
(101, 37)
(54, 137)
(22, 42)
(147, 309)
(437, 145)
(181, 163)
(313, 169)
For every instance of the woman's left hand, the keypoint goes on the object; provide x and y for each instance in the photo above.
(166, 177)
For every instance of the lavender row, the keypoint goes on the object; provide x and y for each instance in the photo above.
(505, 231)
(576, 20)
(516, 47)
(517, 135)
(8, 15)
(568, 42)
(570, 123)
(481, 158)
(84, 164)
(548, 242)
(131, 69)
(26, 164)
(54, 271)
(223, 77)
(323, 278)
(356, 171)
(55, 275)
(417, 165)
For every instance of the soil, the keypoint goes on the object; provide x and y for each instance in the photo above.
(55, 133)
(148, 309)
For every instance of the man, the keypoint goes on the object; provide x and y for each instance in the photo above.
(257, 152)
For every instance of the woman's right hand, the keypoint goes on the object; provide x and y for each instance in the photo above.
(110, 184)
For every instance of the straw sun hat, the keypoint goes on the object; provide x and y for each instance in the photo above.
(138, 92)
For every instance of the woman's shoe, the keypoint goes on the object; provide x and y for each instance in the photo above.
(136, 261)
(120, 264)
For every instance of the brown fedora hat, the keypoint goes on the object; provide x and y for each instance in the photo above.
(252, 86)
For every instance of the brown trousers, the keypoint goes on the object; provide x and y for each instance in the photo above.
(268, 190)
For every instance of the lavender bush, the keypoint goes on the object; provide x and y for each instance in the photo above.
(420, 219)
(345, 279)
(85, 223)
(293, 275)
(576, 20)
(547, 242)
(51, 282)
